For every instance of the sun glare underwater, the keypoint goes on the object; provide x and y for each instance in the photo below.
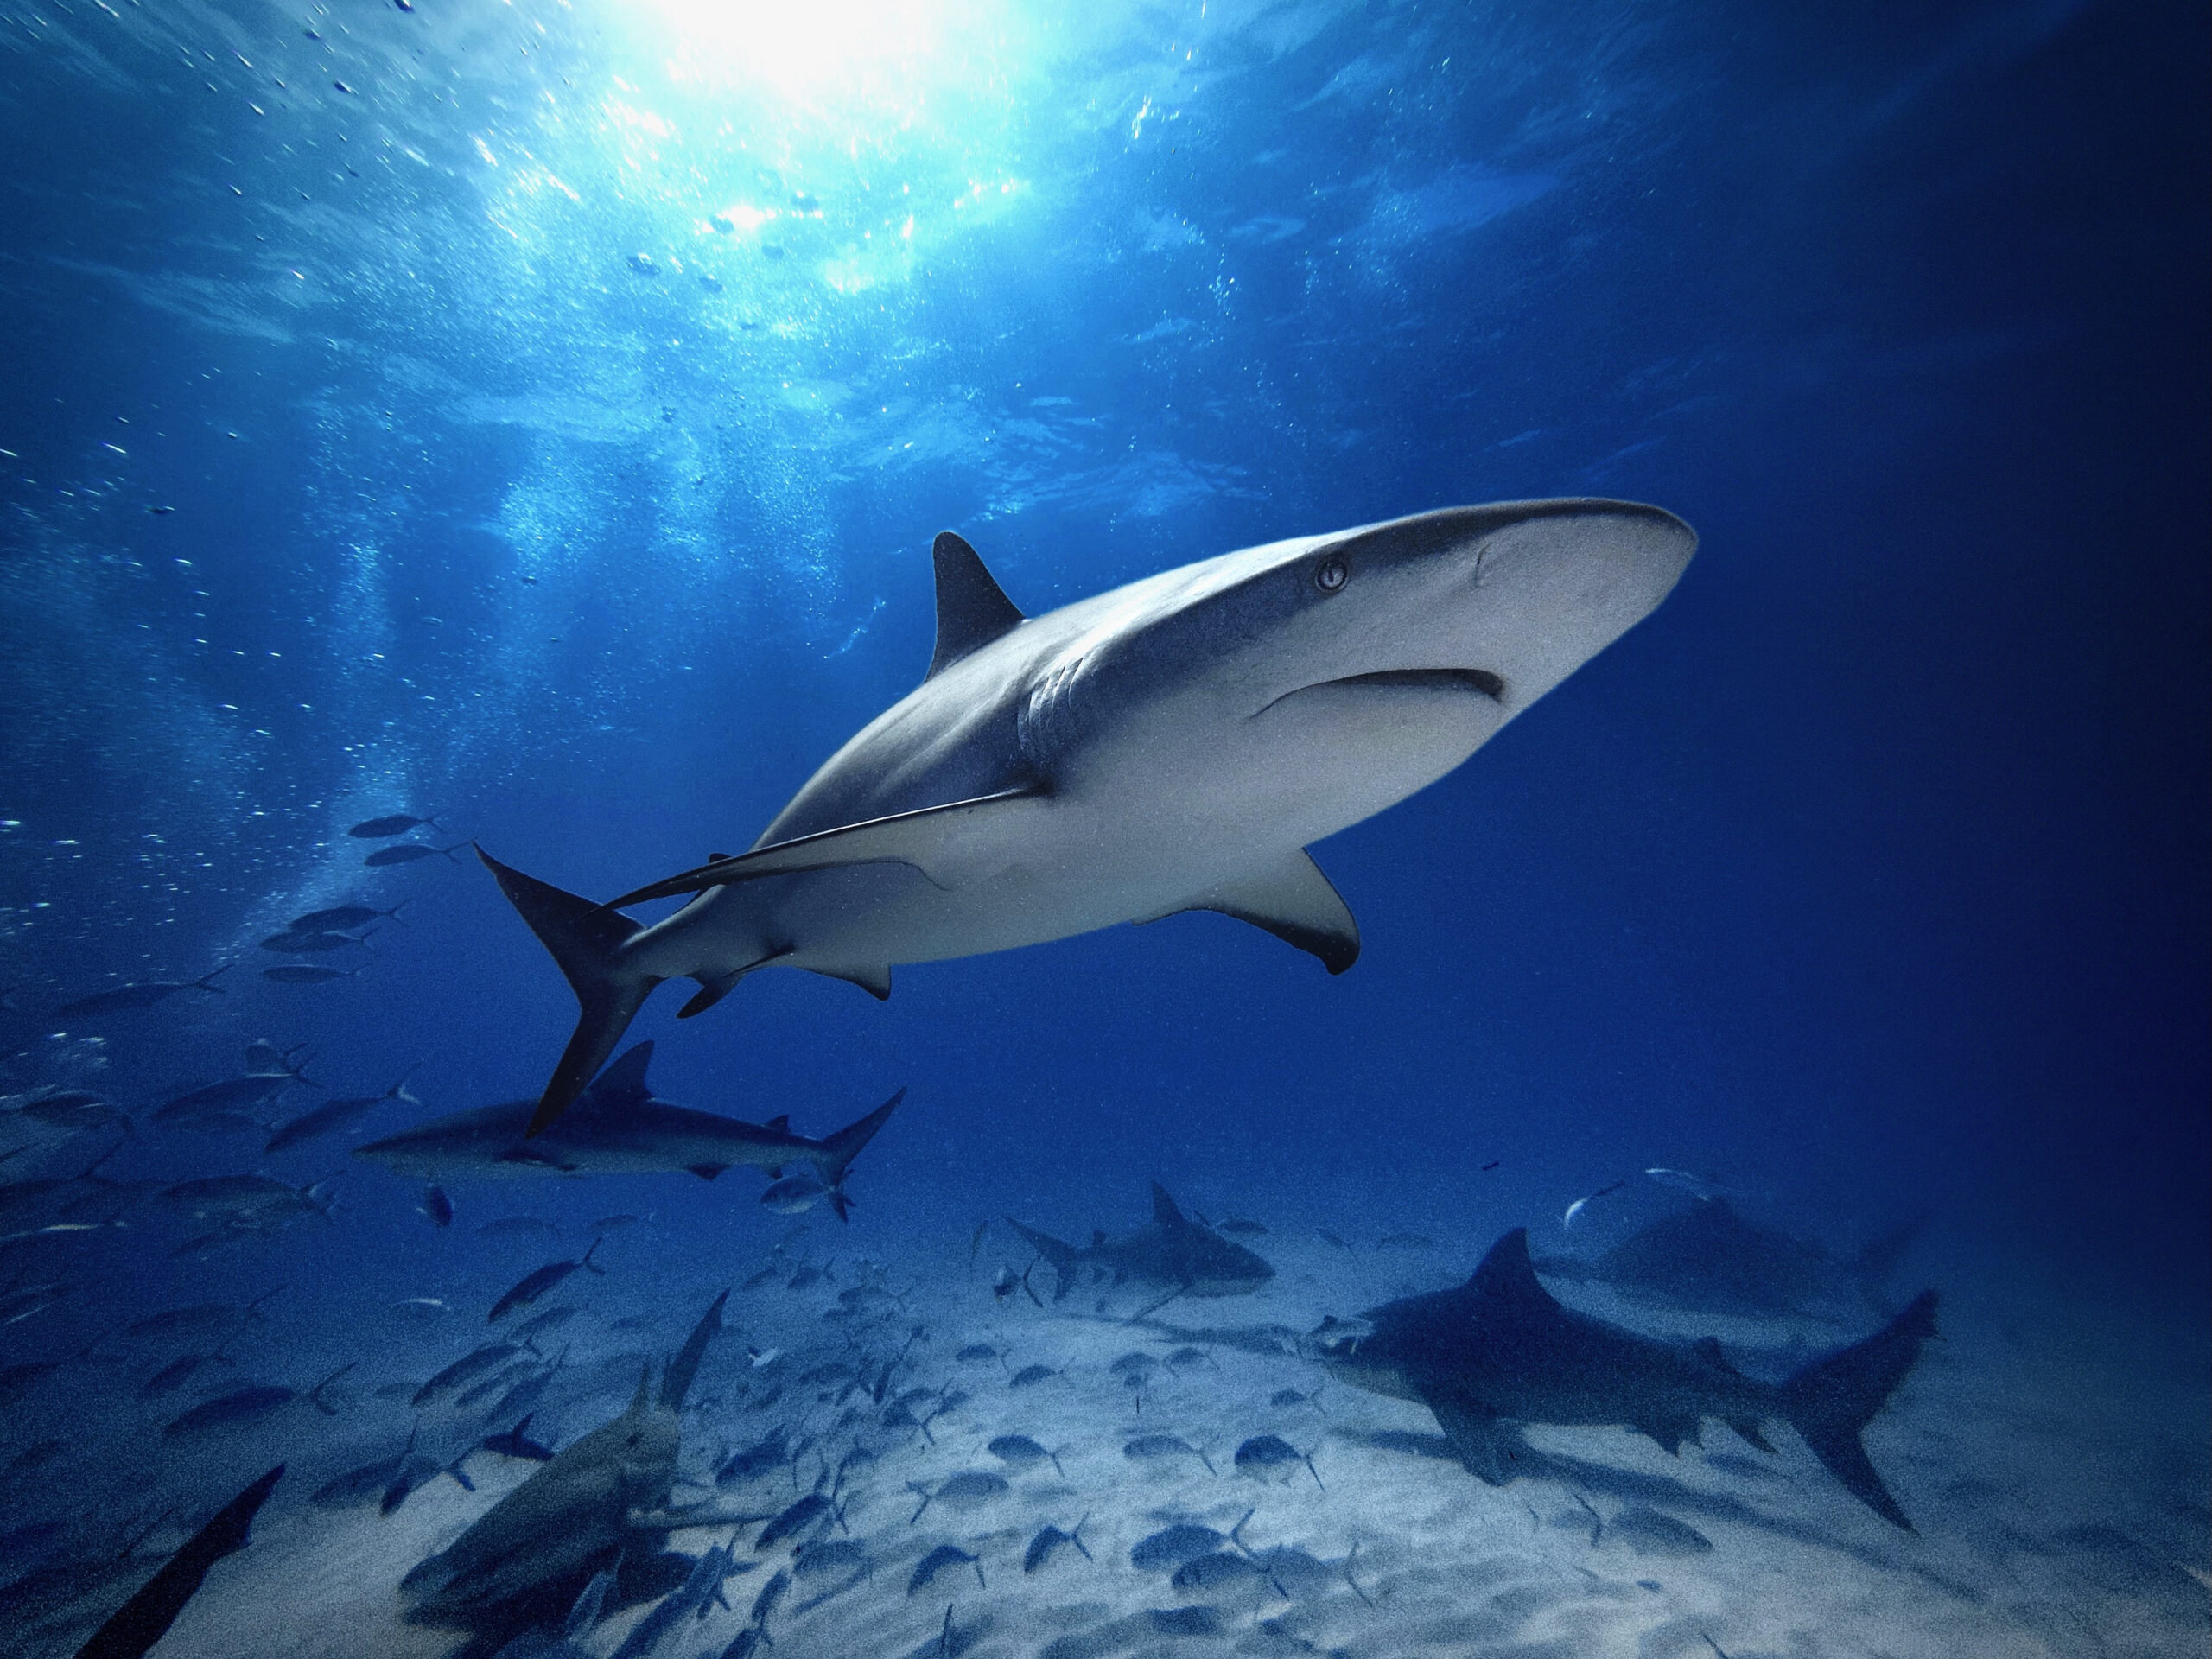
(771, 882)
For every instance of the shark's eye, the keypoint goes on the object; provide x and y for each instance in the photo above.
(1331, 575)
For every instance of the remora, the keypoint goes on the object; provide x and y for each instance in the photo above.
(618, 1127)
(1173, 745)
(1500, 1350)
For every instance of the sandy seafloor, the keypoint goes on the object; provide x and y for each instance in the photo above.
(2057, 1476)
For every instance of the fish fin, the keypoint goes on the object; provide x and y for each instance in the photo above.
(972, 609)
(1748, 1431)
(913, 838)
(712, 989)
(845, 1145)
(781, 1122)
(1479, 1440)
(875, 980)
(1062, 1256)
(1507, 1278)
(676, 1381)
(841, 1202)
(1833, 1400)
(1708, 1352)
(706, 1172)
(625, 1079)
(1670, 1433)
(1295, 902)
(585, 940)
(1163, 1208)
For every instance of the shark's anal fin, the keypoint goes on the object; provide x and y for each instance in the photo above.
(912, 838)
(1295, 902)
(972, 609)
(874, 980)
(1483, 1444)
(706, 1172)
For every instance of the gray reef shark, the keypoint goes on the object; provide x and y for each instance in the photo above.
(1499, 1350)
(1172, 1252)
(607, 1492)
(1173, 745)
(619, 1128)
(1710, 1256)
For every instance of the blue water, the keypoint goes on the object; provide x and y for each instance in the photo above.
(537, 416)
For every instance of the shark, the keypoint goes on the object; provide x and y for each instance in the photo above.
(1172, 1252)
(619, 1126)
(1499, 1350)
(1173, 745)
(1711, 1257)
(607, 1493)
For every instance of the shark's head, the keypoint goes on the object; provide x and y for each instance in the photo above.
(1352, 1353)
(1315, 682)
(1224, 1268)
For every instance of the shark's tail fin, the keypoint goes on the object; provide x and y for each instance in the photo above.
(1062, 1256)
(1870, 1269)
(1832, 1400)
(585, 942)
(840, 1149)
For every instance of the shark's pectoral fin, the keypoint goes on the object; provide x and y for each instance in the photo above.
(1294, 901)
(1482, 1443)
(875, 980)
(917, 838)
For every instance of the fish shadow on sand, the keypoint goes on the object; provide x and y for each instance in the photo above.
(1664, 1493)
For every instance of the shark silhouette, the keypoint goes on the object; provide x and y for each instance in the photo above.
(1173, 745)
(1499, 1350)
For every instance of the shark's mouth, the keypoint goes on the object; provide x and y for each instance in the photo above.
(1478, 681)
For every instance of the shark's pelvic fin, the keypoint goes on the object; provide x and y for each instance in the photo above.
(900, 838)
(586, 941)
(1296, 903)
(972, 609)
(1482, 1444)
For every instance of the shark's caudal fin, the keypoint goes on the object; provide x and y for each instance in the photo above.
(1062, 1256)
(585, 941)
(1832, 1400)
(840, 1149)
(1163, 1212)
(845, 1145)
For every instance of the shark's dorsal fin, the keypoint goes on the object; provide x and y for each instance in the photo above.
(644, 1385)
(627, 1077)
(676, 1381)
(1507, 1278)
(1163, 1208)
(1295, 902)
(781, 1122)
(972, 609)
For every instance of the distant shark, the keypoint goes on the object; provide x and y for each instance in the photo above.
(1710, 1256)
(607, 1493)
(1171, 1252)
(1499, 1350)
(1172, 745)
(619, 1128)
